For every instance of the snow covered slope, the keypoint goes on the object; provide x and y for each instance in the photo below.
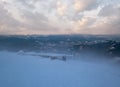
(19, 70)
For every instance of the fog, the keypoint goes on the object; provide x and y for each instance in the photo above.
(28, 70)
(59, 61)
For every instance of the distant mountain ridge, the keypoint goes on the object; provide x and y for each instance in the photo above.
(108, 45)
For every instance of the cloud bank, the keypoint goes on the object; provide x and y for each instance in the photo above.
(59, 17)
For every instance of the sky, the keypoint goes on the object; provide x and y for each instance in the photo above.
(45, 17)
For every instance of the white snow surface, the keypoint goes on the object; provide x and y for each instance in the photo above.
(18, 70)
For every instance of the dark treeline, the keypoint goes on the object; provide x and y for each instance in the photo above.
(108, 45)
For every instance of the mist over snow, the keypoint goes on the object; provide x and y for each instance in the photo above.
(60, 61)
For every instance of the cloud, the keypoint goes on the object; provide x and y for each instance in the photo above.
(110, 10)
(110, 26)
(81, 5)
(34, 22)
(59, 16)
(7, 23)
(109, 19)
(61, 8)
